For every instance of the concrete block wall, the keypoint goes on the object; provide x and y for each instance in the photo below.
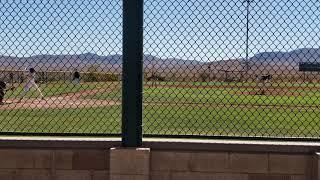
(129, 164)
(166, 165)
(84, 160)
(31, 164)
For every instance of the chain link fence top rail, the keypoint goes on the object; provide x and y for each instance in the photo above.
(230, 68)
(60, 67)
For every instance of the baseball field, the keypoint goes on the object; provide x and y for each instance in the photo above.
(170, 108)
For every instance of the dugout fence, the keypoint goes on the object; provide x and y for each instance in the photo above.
(161, 68)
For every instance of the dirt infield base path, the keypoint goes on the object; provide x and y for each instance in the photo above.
(56, 103)
(62, 101)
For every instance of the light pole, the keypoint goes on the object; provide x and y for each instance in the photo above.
(246, 68)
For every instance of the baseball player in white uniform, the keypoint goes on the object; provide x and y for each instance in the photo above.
(30, 83)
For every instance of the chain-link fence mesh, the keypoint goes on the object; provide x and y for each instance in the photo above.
(60, 66)
(233, 68)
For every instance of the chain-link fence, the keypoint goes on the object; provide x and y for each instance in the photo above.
(60, 67)
(228, 68)
(232, 68)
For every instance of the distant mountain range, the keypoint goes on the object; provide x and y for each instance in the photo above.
(270, 62)
(110, 63)
(266, 61)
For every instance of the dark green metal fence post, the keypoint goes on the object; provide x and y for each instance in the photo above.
(132, 73)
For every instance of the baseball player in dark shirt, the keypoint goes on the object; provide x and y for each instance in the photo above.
(3, 90)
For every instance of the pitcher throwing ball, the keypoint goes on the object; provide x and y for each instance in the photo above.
(30, 83)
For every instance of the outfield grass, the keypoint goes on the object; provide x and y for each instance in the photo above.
(230, 121)
(164, 113)
(168, 120)
(84, 120)
(216, 96)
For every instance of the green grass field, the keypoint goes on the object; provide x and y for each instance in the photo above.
(177, 111)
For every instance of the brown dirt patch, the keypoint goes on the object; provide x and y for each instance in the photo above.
(63, 101)
(56, 103)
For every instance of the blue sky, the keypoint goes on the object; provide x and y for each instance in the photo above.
(204, 30)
